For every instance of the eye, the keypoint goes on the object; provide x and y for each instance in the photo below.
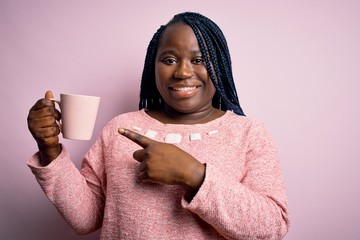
(198, 60)
(169, 61)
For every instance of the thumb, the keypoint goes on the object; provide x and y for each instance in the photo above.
(49, 95)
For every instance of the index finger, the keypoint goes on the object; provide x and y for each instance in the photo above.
(137, 138)
(44, 102)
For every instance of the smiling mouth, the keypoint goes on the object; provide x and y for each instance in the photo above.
(183, 89)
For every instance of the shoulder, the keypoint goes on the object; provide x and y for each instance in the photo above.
(238, 121)
(246, 127)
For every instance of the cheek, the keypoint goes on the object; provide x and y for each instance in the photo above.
(212, 88)
(160, 77)
(161, 73)
(203, 74)
(201, 71)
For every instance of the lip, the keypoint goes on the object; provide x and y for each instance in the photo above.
(184, 91)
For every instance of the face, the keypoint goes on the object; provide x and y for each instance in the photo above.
(180, 72)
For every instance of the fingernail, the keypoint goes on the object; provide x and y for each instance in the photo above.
(121, 130)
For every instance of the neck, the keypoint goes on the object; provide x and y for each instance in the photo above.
(169, 115)
(196, 117)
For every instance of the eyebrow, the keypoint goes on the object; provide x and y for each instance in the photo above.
(195, 52)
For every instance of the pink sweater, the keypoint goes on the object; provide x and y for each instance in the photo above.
(242, 196)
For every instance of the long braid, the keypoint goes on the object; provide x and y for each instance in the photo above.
(220, 49)
(215, 52)
(224, 62)
(209, 63)
(149, 95)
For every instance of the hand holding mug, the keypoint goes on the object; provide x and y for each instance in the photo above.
(78, 116)
(42, 123)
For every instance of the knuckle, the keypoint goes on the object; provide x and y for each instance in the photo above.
(30, 122)
(147, 155)
(43, 141)
(150, 174)
(57, 130)
(138, 137)
(49, 111)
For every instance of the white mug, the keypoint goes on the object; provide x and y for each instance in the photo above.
(78, 115)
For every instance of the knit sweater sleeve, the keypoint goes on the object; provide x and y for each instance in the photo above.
(252, 207)
(78, 199)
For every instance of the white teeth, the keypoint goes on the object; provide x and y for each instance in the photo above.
(184, 89)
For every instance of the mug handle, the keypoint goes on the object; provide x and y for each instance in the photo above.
(59, 104)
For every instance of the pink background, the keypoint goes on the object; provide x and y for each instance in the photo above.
(296, 65)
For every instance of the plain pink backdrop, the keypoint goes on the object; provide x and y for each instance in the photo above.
(296, 65)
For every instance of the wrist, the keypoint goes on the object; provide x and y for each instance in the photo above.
(194, 180)
(49, 154)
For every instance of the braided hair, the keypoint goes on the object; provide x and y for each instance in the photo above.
(214, 49)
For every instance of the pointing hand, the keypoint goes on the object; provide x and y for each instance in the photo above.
(165, 163)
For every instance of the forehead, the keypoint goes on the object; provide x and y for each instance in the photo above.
(178, 34)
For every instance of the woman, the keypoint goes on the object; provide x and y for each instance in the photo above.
(192, 166)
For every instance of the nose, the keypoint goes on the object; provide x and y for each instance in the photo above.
(184, 70)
